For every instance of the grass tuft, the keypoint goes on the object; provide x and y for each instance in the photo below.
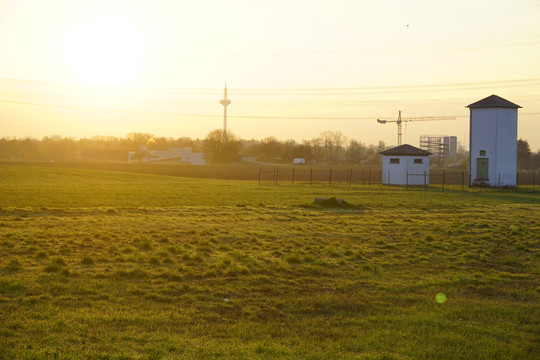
(40, 255)
(87, 260)
(293, 259)
(13, 265)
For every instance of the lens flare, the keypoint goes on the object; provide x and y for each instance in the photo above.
(440, 298)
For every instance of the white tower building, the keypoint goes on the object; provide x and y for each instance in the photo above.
(493, 142)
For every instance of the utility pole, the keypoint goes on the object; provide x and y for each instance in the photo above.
(225, 102)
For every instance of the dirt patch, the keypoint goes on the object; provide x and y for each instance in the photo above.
(333, 202)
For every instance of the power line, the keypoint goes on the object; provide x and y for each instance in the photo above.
(445, 11)
(184, 114)
(430, 87)
(211, 115)
(323, 90)
(366, 52)
(371, 89)
(82, 108)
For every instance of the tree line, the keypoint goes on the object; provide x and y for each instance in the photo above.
(330, 147)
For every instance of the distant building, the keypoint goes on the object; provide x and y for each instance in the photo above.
(172, 156)
(443, 148)
(405, 165)
(493, 142)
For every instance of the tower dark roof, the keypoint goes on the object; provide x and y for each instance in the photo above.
(493, 101)
(405, 149)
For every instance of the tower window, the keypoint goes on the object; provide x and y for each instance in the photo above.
(482, 152)
(418, 161)
(394, 161)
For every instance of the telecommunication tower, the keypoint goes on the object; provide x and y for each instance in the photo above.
(225, 102)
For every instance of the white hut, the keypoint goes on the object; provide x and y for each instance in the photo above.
(405, 165)
(493, 142)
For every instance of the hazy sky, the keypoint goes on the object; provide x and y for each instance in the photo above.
(294, 68)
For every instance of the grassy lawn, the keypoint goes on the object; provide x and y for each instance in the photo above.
(112, 265)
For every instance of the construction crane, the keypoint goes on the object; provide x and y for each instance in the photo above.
(401, 120)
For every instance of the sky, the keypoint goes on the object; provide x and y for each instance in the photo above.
(293, 68)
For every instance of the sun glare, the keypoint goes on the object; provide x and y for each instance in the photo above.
(104, 52)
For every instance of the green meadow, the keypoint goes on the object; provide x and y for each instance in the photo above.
(114, 265)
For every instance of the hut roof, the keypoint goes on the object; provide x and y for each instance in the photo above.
(493, 101)
(405, 149)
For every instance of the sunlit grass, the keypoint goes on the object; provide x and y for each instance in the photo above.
(106, 265)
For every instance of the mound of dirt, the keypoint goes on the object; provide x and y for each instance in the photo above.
(332, 202)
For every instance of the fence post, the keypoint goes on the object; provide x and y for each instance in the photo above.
(425, 181)
(388, 179)
(517, 180)
(277, 175)
(462, 180)
(260, 170)
(499, 184)
(293, 176)
(350, 178)
(363, 176)
(369, 178)
(443, 178)
(534, 179)
(407, 181)
(330, 178)
(311, 176)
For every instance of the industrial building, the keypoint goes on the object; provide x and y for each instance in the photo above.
(442, 147)
(182, 155)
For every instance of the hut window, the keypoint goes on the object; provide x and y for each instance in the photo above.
(418, 161)
(394, 161)
(482, 152)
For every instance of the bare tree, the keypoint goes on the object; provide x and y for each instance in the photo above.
(333, 142)
(317, 149)
(356, 152)
(222, 148)
(270, 148)
(523, 154)
(138, 139)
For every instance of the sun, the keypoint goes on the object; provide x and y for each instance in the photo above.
(104, 52)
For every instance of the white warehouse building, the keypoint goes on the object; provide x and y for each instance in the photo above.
(171, 156)
(493, 142)
(405, 165)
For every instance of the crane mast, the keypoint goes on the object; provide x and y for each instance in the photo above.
(400, 120)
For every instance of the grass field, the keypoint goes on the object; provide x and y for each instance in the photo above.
(112, 265)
